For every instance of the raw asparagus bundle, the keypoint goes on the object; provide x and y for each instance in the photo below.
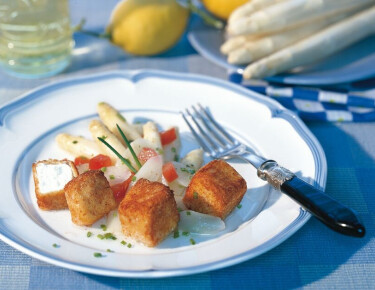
(274, 36)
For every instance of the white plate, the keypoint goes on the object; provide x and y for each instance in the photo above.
(27, 129)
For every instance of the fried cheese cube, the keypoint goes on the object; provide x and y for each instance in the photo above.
(148, 213)
(50, 177)
(215, 189)
(89, 197)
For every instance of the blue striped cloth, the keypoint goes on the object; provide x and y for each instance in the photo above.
(315, 104)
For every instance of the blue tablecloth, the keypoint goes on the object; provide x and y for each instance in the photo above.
(315, 257)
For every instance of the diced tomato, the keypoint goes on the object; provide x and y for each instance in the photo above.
(119, 189)
(81, 160)
(169, 172)
(168, 136)
(99, 161)
(146, 154)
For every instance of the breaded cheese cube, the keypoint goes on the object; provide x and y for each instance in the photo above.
(148, 213)
(89, 197)
(50, 177)
(215, 189)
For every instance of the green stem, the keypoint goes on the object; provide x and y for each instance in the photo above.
(207, 18)
(129, 146)
(124, 160)
(79, 28)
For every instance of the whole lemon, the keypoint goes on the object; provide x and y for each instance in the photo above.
(147, 27)
(222, 8)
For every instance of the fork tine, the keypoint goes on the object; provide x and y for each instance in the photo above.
(216, 124)
(208, 138)
(212, 130)
(196, 135)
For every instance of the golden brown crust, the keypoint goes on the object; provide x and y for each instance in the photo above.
(89, 197)
(216, 189)
(54, 200)
(148, 213)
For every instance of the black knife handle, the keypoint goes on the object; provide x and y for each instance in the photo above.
(329, 211)
(332, 213)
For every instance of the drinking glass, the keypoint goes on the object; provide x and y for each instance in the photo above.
(35, 37)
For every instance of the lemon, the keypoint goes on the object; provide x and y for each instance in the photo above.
(147, 27)
(222, 8)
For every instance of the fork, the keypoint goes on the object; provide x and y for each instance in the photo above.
(219, 144)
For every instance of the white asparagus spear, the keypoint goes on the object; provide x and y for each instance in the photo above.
(151, 133)
(258, 48)
(249, 8)
(236, 42)
(98, 129)
(77, 145)
(315, 47)
(110, 117)
(291, 13)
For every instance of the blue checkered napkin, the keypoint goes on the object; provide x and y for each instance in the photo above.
(314, 104)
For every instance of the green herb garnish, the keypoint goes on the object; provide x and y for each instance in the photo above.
(195, 195)
(188, 213)
(112, 177)
(176, 234)
(176, 158)
(104, 137)
(134, 178)
(103, 227)
(89, 234)
(129, 146)
(123, 243)
(179, 209)
(100, 236)
(239, 206)
(75, 142)
(55, 246)
(124, 160)
(129, 245)
(192, 241)
(110, 251)
(109, 236)
(185, 233)
(103, 169)
(98, 255)
(173, 149)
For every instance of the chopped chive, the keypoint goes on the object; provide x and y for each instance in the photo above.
(98, 255)
(183, 169)
(104, 137)
(75, 142)
(121, 117)
(109, 236)
(176, 158)
(103, 169)
(129, 146)
(103, 227)
(173, 149)
(176, 234)
(134, 178)
(89, 234)
(112, 177)
(55, 246)
(185, 233)
(239, 206)
(124, 160)
(110, 251)
(188, 213)
(123, 243)
(160, 151)
(195, 195)
(192, 241)
(100, 236)
(129, 245)
(179, 209)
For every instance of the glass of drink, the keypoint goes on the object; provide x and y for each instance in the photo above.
(35, 37)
